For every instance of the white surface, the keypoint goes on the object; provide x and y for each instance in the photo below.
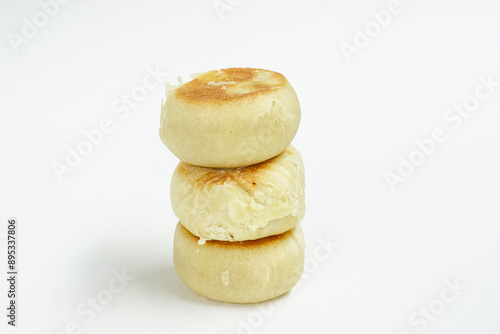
(395, 248)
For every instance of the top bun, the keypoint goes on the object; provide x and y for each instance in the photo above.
(233, 117)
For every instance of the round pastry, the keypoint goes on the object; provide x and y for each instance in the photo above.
(236, 204)
(230, 118)
(240, 272)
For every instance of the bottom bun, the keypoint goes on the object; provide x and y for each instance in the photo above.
(243, 271)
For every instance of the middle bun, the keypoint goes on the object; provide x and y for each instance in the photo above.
(237, 204)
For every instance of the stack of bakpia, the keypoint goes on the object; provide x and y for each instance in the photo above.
(239, 188)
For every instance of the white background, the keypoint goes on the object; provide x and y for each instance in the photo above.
(396, 248)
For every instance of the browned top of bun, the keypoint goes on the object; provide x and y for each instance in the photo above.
(247, 244)
(244, 176)
(230, 83)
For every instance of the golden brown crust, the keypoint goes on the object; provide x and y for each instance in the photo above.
(259, 243)
(244, 176)
(230, 83)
